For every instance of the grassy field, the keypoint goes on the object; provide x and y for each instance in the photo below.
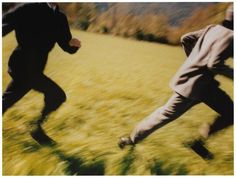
(111, 84)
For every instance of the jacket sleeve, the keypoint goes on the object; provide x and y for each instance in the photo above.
(64, 35)
(189, 40)
(9, 19)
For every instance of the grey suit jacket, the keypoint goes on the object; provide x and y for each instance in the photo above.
(207, 49)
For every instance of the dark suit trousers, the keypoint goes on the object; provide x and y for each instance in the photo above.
(54, 96)
(177, 105)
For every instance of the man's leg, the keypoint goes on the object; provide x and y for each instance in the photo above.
(54, 96)
(219, 101)
(14, 92)
(175, 107)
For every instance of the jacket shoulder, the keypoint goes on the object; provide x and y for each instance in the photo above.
(61, 14)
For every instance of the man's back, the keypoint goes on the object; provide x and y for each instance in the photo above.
(35, 25)
(213, 47)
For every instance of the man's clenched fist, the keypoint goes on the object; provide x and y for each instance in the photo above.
(75, 42)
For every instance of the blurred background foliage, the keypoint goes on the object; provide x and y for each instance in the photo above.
(155, 22)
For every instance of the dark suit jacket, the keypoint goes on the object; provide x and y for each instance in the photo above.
(207, 49)
(37, 27)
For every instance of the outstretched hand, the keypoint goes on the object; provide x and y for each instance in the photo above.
(75, 42)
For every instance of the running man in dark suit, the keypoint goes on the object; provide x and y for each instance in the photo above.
(38, 26)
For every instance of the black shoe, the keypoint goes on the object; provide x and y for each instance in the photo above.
(125, 141)
(38, 134)
(198, 147)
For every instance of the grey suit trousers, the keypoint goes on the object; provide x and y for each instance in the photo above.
(177, 105)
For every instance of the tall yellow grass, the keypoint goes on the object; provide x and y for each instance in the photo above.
(111, 84)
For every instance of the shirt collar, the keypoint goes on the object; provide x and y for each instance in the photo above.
(52, 7)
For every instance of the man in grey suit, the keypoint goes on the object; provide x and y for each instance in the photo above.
(206, 51)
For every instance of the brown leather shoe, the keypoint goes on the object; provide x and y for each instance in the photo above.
(125, 141)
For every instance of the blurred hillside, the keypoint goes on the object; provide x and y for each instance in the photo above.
(155, 22)
(175, 11)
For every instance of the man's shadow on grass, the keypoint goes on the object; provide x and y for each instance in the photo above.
(127, 161)
(159, 168)
(74, 165)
